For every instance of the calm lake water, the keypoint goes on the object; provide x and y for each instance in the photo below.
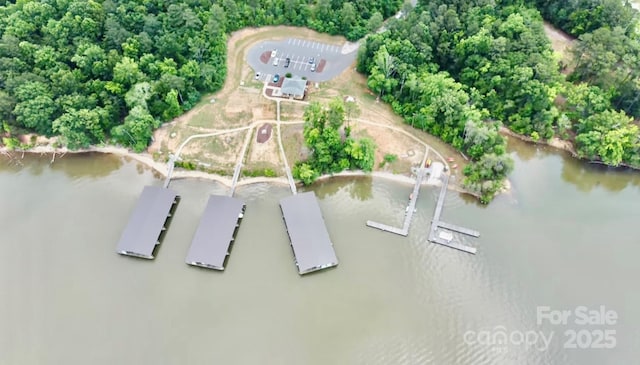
(566, 236)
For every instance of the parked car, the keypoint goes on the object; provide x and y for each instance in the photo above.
(275, 61)
(287, 62)
(257, 75)
(276, 78)
(274, 53)
(312, 60)
(313, 67)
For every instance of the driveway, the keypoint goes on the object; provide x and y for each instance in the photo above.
(329, 59)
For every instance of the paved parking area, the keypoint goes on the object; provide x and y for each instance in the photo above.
(329, 59)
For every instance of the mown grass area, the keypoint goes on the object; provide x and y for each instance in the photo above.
(293, 143)
(291, 111)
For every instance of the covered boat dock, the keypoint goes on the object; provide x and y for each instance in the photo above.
(148, 222)
(216, 232)
(309, 238)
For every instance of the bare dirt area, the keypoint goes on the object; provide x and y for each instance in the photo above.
(217, 153)
(391, 142)
(561, 43)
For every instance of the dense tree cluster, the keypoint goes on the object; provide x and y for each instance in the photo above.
(89, 70)
(606, 75)
(458, 69)
(451, 66)
(353, 19)
(333, 149)
(578, 17)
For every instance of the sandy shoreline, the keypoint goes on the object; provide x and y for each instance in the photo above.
(162, 168)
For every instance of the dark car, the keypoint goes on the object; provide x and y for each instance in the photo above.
(312, 60)
(287, 62)
(276, 78)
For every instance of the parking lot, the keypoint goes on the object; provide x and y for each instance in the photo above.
(328, 59)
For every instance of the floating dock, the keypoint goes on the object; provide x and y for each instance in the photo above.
(436, 225)
(309, 238)
(148, 222)
(216, 232)
(411, 208)
(440, 232)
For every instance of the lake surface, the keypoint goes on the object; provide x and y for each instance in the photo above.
(565, 236)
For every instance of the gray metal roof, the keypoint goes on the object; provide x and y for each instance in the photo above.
(214, 234)
(310, 240)
(141, 234)
(293, 86)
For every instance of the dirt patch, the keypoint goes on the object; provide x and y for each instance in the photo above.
(393, 143)
(321, 65)
(561, 43)
(264, 133)
(265, 57)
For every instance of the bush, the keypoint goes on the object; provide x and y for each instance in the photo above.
(288, 75)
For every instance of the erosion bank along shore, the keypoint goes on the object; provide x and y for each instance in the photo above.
(162, 168)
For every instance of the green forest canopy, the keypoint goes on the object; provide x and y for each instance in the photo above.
(459, 69)
(332, 147)
(92, 70)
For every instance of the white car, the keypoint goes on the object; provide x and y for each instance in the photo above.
(275, 61)
(257, 75)
(274, 53)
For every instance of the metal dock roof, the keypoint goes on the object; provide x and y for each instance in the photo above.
(310, 240)
(147, 222)
(210, 244)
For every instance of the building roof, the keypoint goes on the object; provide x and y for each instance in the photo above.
(294, 87)
(147, 221)
(310, 240)
(215, 232)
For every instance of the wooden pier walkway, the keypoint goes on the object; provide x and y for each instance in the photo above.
(404, 231)
(170, 165)
(436, 224)
(453, 227)
(236, 176)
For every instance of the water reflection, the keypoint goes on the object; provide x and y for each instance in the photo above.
(586, 176)
(360, 187)
(583, 175)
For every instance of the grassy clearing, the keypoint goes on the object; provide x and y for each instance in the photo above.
(293, 143)
(291, 111)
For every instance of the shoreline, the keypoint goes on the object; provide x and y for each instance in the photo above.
(162, 168)
(562, 145)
